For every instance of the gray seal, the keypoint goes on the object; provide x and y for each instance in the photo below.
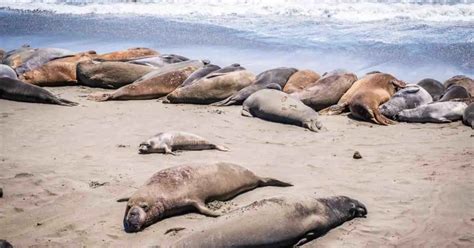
(436, 112)
(160, 60)
(270, 79)
(468, 116)
(16, 90)
(183, 188)
(410, 97)
(7, 71)
(40, 57)
(5, 244)
(287, 221)
(200, 73)
(434, 87)
(277, 106)
(454, 92)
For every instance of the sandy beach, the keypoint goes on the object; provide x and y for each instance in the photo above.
(64, 167)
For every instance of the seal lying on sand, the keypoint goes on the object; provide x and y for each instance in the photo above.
(171, 141)
(300, 80)
(437, 112)
(110, 75)
(327, 90)
(16, 57)
(179, 189)
(212, 88)
(129, 54)
(7, 71)
(434, 87)
(463, 81)
(16, 90)
(198, 74)
(40, 57)
(468, 116)
(410, 97)
(276, 222)
(160, 60)
(277, 106)
(270, 79)
(454, 92)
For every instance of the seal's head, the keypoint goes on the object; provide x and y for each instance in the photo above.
(145, 147)
(140, 213)
(347, 208)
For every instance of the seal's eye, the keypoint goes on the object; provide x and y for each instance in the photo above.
(144, 206)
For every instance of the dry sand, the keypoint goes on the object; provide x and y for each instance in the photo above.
(415, 179)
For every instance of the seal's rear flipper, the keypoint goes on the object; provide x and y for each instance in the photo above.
(226, 102)
(267, 181)
(334, 110)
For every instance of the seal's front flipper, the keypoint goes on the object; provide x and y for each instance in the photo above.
(246, 112)
(169, 151)
(201, 208)
(308, 237)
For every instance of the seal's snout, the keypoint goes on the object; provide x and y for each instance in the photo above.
(358, 209)
(143, 148)
(134, 219)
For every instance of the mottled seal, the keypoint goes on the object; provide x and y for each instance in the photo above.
(468, 116)
(437, 112)
(463, 81)
(277, 106)
(109, 75)
(7, 71)
(286, 221)
(150, 88)
(300, 80)
(168, 142)
(327, 90)
(16, 57)
(434, 87)
(57, 72)
(454, 92)
(270, 79)
(160, 60)
(129, 54)
(40, 57)
(179, 189)
(212, 88)
(198, 74)
(16, 90)
(410, 97)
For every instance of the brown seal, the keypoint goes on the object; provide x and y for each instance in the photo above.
(463, 81)
(188, 187)
(129, 54)
(366, 95)
(327, 90)
(300, 80)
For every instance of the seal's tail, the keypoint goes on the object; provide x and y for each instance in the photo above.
(268, 181)
(66, 102)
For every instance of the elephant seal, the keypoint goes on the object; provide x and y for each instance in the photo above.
(277, 106)
(463, 81)
(270, 79)
(230, 68)
(327, 90)
(2, 55)
(129, 54)
(434, 87)
(366, 95)
(7, 71)
(410, 97)
(40, 57)
(198, 74)
(300, 80)
(454, 92)
(16, 90)
(57, 72)
(16, 57)
(179, 189)
(436, 112)
(110, 75)
(5, 244)
(286, 221)
(150, 88)
(468, 116)
(160, 60)
(212, 88)
(169, 142)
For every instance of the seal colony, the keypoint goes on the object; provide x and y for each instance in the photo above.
(282, 95)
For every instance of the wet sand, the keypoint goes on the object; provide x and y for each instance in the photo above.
(415, 179)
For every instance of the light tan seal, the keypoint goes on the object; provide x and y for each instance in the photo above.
(169, 142)
(183, 188)
(129, 54)
(300, 80)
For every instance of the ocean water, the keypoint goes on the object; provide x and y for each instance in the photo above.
(413, 39)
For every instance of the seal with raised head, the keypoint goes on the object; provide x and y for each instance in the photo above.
(463, 81)
(454, 92)
(468, 116)
(286, 221)
(183, 188)
(300, 80)
(16, 90)
(410, 97)
(277, 106)
(212, 88)
(109, 75)
(129, 54)
(168, 142)
(160, 60)
(434, 87)
(327, 90)
(57, 72)
(150, 88)
(7, 71)
(436, 112)
(200, 73)
(270, 79)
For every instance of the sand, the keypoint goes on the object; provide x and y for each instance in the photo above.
(62, 169)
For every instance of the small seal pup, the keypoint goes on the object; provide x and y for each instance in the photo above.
(16, 90)
(179, 189)
(436, 112)
(454, 92)
(270, 79)
(468, 116)
(410, 97)
(300, 80)
(286, 221)
(277, 106)
(168, 142)
(7, 71)
(434, 87)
